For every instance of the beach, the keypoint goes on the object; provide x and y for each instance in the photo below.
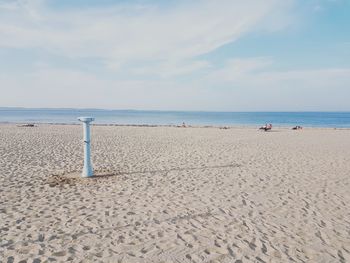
(168, 194)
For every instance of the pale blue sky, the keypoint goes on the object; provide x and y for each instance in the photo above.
(226, 55)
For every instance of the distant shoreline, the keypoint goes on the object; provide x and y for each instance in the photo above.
(173, 126)
(177, 118)
(172, 110)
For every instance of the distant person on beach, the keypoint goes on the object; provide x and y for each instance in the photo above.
(183, 125)
(297, 128)
(266, 127)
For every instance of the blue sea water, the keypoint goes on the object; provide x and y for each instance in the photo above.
(307, 119)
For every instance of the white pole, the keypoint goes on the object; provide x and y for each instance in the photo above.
(87, 169)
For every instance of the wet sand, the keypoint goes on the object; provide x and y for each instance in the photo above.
(166, 194)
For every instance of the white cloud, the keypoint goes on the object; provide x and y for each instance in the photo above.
(235, 69)
(8, 5)
(147, 49)
(172, 68)
(255, 86)
(48, 87)
(251, 84)
(129, 32)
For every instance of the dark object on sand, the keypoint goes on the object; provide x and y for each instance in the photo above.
(297, 128)
(266, 127)
(27, 125)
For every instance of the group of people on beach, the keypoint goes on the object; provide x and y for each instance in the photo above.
(268, 127)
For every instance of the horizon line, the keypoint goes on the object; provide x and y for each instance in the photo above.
(171, 110)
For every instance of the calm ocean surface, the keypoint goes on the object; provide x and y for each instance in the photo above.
(307, 119)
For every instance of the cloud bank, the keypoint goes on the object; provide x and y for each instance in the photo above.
(143, 55)
(133, 31)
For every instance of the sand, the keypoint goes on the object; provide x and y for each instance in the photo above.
(166, 194)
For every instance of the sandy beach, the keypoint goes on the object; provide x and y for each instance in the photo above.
(166, 194)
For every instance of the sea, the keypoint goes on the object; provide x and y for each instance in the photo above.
(195, 118)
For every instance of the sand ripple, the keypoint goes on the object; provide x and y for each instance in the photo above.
(174, 195)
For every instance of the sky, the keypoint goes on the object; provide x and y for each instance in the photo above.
(210, 55)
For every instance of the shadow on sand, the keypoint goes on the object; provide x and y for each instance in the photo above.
(75, 178)
(99, 175)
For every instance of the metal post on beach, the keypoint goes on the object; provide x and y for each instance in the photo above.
(87, 169)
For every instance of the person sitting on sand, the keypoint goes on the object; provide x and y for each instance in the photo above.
(266, 127)
(297, 128)
(183, 125)
(263, 127)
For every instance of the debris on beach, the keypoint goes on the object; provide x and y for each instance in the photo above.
(27, 125)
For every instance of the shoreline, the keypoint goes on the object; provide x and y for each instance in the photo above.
(238, 126)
